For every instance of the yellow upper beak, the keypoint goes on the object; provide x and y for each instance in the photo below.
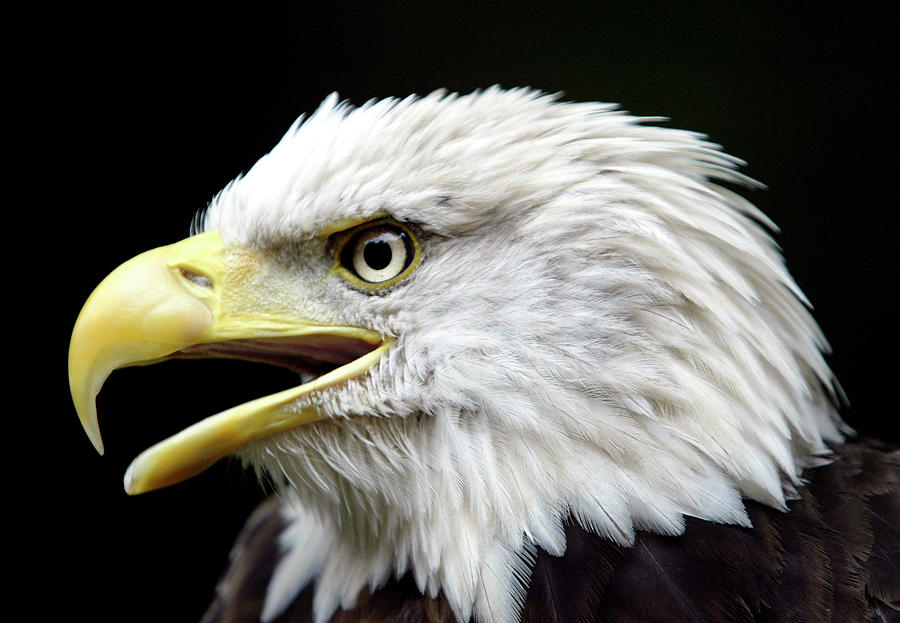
(174, 297)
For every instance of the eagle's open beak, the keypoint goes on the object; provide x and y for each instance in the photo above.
(192, 299)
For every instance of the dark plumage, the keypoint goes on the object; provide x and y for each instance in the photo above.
(817, 562)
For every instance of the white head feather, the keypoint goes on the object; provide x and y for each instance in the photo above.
(597, 331)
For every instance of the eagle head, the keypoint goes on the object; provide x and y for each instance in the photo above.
(506, 312)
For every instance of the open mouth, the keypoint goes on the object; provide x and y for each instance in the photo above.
(320, 359)
(310, 356)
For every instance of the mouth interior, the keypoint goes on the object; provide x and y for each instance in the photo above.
(310, 355)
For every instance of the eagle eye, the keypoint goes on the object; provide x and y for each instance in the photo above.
(377, 254)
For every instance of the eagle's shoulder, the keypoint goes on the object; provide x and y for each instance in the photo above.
(833, 556)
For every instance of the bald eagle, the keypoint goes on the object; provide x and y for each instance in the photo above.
(550, 368)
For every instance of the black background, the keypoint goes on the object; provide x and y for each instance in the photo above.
(135, 119)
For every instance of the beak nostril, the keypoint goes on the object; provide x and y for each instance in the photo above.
(196, 278)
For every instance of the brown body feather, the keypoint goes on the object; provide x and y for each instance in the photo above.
(834, 556)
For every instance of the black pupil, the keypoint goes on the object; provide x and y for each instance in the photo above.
(377, 252)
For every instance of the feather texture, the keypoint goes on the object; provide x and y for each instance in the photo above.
(833, 556)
